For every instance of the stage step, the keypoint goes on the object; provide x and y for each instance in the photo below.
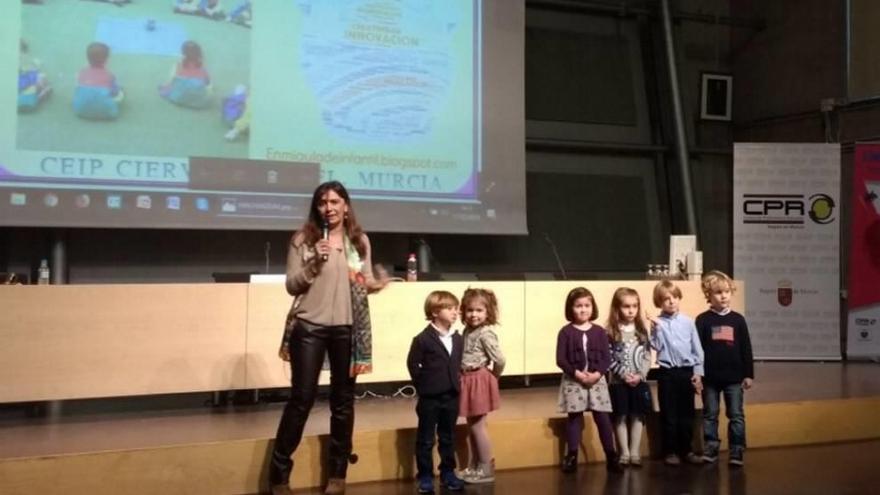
(239, 466)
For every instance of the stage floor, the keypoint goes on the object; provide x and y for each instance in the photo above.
(77, 433)
(844, 468)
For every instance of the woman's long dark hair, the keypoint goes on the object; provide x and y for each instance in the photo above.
(311, 230)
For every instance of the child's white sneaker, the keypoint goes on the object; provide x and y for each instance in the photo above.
(484, 473)
(467, 472)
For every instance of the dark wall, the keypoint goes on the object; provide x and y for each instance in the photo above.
(798, 59)
(864, 73)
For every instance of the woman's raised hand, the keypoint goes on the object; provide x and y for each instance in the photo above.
(380, 279)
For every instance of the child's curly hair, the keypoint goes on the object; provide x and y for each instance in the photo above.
(487, 297)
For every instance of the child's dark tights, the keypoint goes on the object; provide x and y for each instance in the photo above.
(574, 428)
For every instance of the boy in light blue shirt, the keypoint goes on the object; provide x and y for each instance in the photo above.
(680, 356)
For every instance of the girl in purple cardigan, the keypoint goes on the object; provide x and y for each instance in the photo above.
(583, 354)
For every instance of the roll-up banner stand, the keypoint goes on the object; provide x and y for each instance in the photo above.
(863, 321)
(786, 245)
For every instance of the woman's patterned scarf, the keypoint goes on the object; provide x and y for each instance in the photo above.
(361, 330)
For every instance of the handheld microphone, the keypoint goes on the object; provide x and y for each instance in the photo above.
(325, 234)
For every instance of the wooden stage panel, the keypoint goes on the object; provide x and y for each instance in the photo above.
(268, 305)
(69, 342)
(397, 316)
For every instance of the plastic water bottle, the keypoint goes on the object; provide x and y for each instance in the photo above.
(412, 268)
(43, 273)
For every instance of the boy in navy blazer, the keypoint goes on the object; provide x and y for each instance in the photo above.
(434, 362)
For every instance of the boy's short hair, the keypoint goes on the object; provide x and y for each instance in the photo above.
(438, 300)
(715, 280)
(97, 53)
(664, 289)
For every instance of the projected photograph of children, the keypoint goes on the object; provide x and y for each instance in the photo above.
(135, 77)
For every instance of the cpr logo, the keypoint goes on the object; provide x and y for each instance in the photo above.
(787, 209)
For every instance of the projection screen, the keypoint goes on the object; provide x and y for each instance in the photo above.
(226, 114)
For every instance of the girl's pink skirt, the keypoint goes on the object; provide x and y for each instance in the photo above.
(479, 393)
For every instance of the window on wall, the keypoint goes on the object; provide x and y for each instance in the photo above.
(579, 77)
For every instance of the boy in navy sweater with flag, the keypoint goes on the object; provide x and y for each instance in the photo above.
(729, 368)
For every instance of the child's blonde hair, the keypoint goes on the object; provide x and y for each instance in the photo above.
(715, 280)
(487, 297)
(437, 300)
(664, 289)
(614, 320)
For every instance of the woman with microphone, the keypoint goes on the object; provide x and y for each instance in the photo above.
(329, 274)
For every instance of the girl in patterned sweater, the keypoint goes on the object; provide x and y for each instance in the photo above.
(481, 364)
(630, 362)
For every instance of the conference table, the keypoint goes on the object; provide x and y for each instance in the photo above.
(64, 342)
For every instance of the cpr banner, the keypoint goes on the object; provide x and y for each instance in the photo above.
(863, 322)
(786, 246)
